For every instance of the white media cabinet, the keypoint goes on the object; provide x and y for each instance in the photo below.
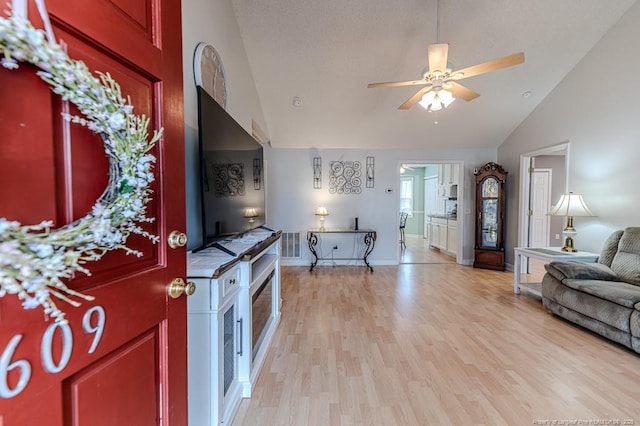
(225, 352)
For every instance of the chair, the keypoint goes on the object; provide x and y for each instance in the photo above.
(403, 224)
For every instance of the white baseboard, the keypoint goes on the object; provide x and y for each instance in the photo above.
(304, 262)
(383, 262)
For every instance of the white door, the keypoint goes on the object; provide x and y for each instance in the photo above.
(540, 206)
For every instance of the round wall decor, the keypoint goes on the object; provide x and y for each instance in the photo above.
(209, 72)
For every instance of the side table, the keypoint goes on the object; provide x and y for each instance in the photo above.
(546, 254)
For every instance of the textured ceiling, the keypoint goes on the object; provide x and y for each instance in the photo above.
(326, 52)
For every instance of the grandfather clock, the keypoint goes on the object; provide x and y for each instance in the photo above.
(490, 203)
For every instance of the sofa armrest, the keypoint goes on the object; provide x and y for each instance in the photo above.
(580, 271)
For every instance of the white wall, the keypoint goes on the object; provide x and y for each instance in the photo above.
(213, 22)
(596, 108)
(293, 201)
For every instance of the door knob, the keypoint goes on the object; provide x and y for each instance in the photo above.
(177, 239)
(178, 286)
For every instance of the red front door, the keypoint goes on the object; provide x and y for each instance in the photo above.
(121, 360)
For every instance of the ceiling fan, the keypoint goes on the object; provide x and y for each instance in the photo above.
(441, 83)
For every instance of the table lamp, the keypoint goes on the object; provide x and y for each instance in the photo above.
(570, 205)
(322, 212)
(251, 214)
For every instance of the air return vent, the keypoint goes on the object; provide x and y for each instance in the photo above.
(290, 242)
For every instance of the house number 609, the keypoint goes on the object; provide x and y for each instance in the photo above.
(50, 365)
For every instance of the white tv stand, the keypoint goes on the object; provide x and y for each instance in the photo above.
(224, 355)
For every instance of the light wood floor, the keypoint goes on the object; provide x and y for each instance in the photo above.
(417, 251)
(433, 345)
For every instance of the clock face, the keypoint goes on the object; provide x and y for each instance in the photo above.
(209, 72)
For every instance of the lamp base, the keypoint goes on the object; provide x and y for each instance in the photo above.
(568, 245)
(569, 232)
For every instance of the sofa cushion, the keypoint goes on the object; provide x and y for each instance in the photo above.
(610, 248)
(626, 262)
(618, 292)
(580, 270)
(575, 298)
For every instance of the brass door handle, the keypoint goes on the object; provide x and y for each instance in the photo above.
(178, 286)
(177, 239)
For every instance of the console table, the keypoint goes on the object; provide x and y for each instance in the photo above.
(369, 241)
(546, 254)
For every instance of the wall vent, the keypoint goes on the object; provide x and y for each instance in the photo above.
(290, 242)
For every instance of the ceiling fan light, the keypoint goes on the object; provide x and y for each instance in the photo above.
(427, 100)
(436, 106)
(446, 97)
(436, 100)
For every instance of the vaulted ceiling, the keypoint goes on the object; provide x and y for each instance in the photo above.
(325, 52)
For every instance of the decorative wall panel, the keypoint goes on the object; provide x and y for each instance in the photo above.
(345, 177)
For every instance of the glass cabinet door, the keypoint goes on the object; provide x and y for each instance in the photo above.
(489, 211)
(489, 222)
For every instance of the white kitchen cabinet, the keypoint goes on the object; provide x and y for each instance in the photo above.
(455, 174)
(452, 236)
(443, 234)
(448, 174)
(448, 179)
(438, 233)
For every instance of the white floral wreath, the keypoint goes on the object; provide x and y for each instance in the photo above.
(34, 259)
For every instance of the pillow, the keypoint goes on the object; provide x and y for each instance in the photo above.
(581, 271)
(626, 262)
(610, 248)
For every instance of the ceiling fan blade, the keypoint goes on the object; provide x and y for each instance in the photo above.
(415, 98)
(462, 92)
(397, 83)
(496, 64)
(438, 54)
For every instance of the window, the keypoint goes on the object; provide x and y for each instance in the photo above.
(406, 195)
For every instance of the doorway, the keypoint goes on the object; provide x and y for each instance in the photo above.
(429, 189)
(543, 179)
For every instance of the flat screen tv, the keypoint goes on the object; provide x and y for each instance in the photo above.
(231, 174)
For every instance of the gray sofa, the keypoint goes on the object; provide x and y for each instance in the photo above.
(604, 296)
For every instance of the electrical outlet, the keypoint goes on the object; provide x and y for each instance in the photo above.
(557, 236)
(335, 247)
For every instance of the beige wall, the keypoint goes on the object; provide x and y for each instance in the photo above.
(596, 108)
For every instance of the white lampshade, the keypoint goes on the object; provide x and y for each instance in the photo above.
(446, 97)
(571, 205)
(322, 211)
(250, 212)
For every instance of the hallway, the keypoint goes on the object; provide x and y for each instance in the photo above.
(418, 251)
